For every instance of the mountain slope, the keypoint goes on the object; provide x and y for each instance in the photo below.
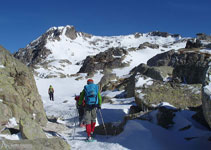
(61, 50)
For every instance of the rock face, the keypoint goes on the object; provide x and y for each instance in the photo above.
(30, 129)
(163, 34)
(110, 59)
(165, 117)
(188, 66)
(175, 94)
(147, 44)
(36, 51)
(193, 44)
(38, 144)
(206, 95)
(157, 73)
(19, 96)
(202, 36)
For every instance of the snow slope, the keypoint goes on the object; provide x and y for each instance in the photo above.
(138, 134)
(78, 49)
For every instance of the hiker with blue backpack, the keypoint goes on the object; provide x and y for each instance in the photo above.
(93, 101)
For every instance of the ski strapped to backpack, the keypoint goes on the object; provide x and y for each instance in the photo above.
(91, 94)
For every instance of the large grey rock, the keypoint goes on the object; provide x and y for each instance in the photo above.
(18, 92)
(157, 73)
(37, 144)
(206, 95)
(188, 66)
(105, 80)
(30, 129)
(154, 92)
(147, 44)
(110, 59)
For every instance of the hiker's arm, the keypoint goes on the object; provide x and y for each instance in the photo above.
(99, 99)
(81, 97)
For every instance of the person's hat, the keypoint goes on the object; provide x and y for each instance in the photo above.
(90, 81)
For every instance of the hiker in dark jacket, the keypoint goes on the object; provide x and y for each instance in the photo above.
(93, 101)
(80, 111)
(50, 92)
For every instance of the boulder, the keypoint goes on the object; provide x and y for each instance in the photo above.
(157, 73)
(106, 80)
(30, 129)
(110, 59)
(193, 44)
(19, 96)
(165, 117)
(158, 33)
(188, 66)
(37, 144)
(203, 36)
(180, 96)
(147, 44)
(206, 95)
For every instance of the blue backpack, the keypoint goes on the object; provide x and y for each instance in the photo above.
(91, 92)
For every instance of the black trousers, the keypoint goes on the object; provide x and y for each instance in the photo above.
(81, 114)
(51, 96)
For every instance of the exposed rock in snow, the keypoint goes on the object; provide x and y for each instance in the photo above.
(206, 95)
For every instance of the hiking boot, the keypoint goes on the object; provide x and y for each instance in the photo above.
(89, 139)
(92, 135)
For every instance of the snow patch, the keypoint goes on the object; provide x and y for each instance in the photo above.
(12, 123)
(1, 66)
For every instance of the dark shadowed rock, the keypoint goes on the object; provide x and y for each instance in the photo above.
(110, 59)
(165, 117)
(193, 44)
(158, 33)
(206, 95)
(147, 44)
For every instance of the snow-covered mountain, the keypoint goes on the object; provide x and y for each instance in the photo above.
(61, 50)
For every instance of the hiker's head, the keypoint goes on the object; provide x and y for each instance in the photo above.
(50, 86)
(90, 81)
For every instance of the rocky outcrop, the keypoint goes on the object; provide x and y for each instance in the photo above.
(30, 129)
(175, 94)
(157, 73)
(19, 96)
(147, 44)
(188, 66)
(37, 144)
(203, 36)
(163, 34)
(104, 83)
(110, 59)
(193, 44)
(165, 117)
(206, 95)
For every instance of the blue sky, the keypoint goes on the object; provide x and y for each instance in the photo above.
(22, 21)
